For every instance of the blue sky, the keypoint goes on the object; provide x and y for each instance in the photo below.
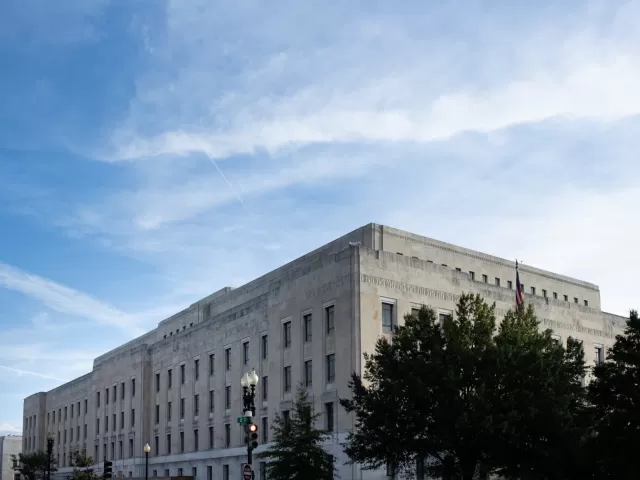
(152, 152)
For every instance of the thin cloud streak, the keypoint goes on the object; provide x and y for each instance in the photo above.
(21, 372)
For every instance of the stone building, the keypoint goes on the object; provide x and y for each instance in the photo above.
(178, 386)
(9, 445)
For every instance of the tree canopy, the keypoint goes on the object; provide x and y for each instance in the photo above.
(83, 466)
(615, 395)
(33, 466)
(297, 452)
(460, 400)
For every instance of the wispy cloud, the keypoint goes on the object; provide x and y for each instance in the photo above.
(21, 372)
(61, 298)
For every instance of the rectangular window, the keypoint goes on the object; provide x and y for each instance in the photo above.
(328, 410)
(308, 330)
(182, 374)
(227, 358)
(415, 312)
(329, 314)
(157, 382)
(209, 472)
(331, 368)
(497, 282)
(122, 390)
(97, 429)
(227, 397)
(265, 430)
(485, 279)
(131, 448)
(225, 472)
(157, 413)
(120, 450)
(566, 298)
(212, 364)
(308, 373)
(472, 275)
(245, 353)
(286, 334)
(211, 438)
(181, 442)
(599, 354)
(65, 411)
(533, 290)
(586, 303)
(196, 440)
(286, 379)
(196, 405)
(84, 433)
(156, 444)
(182, 408)
(122, 420)
(265, 347)
(263, 471)
(509, 284)
(227, 435)
(286, 418)
(169, 378)
(97, 401)
(115, 393)
(196, 369)
(106, 399)
(265, 388)
(194, 472)
(114, 423)
(113, 450)
(72, 410)
(211, 401)
(555, 295)
(133, 387)
(168, 444)
(168, 411)
(544, 293)
(387, 316)
(133, 417)
(86, 406)
(575, 299)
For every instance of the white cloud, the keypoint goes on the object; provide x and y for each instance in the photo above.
(585, 73)
(64, 299)
(9, 429)
(21, 373)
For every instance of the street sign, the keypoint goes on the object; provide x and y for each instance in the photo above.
(244, 420)
(247, 472)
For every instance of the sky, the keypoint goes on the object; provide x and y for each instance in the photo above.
(153, 152)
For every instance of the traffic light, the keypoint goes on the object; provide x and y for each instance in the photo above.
(252, 436)
(108, 469)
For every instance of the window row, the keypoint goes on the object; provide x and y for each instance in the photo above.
(532, 290)
(307, 373)
(184, 327)
(114, 391)
(307, 326)
(62, 438)
(114, 424)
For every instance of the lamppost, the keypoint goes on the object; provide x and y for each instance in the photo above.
(50, 438)
(249, 381)
(147, 449)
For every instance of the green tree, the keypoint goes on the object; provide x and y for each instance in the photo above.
(458, 395)
(33, 466)
(615, 395)
(297, 452)
(83, 466)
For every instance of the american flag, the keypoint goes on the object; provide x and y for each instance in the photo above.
(519, 298)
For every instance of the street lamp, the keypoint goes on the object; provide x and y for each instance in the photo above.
(147, 449)
(50, 438)
(249, 381)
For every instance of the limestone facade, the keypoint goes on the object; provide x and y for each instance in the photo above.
(9, 445)
(311, 320)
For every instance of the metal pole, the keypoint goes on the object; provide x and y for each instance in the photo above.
(146, 466)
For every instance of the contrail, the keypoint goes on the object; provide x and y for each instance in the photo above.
(230, 185)
(34, 374)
